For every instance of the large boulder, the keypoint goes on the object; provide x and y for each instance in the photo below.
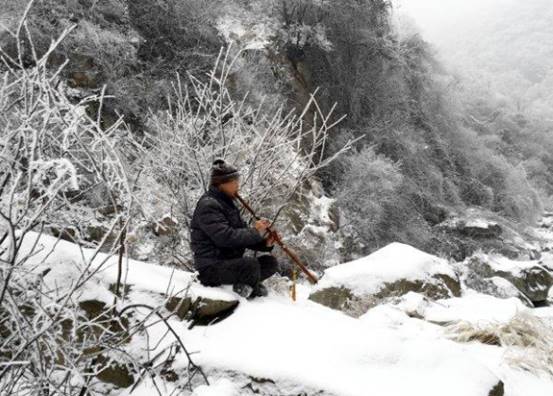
(392, 271)
(531, 278)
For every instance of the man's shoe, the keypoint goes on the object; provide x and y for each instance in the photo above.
(242, 289)
(259, 291)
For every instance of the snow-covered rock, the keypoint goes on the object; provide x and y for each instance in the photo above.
(529, 277)
(494, 286)
(473, 224)
(185, 296)
(472, 307)
(391, 271)
(201, 310)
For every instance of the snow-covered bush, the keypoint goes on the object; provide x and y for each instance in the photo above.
(53, 153)
(369, 187)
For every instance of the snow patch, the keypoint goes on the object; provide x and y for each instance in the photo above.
(474, 307)
(222, 387)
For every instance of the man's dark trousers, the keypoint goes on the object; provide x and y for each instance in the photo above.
(248, 270)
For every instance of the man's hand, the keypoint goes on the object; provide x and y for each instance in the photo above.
(262, 225)
(271, 241)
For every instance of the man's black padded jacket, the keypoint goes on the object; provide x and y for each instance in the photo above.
(217, 231)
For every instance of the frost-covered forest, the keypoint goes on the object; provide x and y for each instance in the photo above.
(405, 154)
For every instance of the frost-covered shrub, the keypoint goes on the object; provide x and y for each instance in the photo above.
(492, 182)
(369, 186)
(276, 151)
(52, 154)
(519, 200)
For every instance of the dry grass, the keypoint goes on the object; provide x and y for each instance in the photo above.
(527, 339)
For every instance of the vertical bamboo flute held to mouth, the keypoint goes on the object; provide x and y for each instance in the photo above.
(312, 278)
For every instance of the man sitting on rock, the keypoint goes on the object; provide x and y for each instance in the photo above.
(219, 238)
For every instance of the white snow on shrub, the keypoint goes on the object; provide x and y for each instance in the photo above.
(55, 173)
(250, 33)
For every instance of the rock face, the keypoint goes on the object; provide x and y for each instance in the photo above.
(476, 229)
(314, 220)
(392, 271)
(531, 279)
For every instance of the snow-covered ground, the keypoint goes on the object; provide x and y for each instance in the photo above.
(384, 352)
(393, 349)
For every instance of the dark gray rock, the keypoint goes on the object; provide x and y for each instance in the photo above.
(200, 310)
(497, 390)
(497, 287)
(117, 374)
(534, 282)
(333, 297)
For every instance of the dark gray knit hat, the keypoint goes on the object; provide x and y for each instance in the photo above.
(222, 172)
